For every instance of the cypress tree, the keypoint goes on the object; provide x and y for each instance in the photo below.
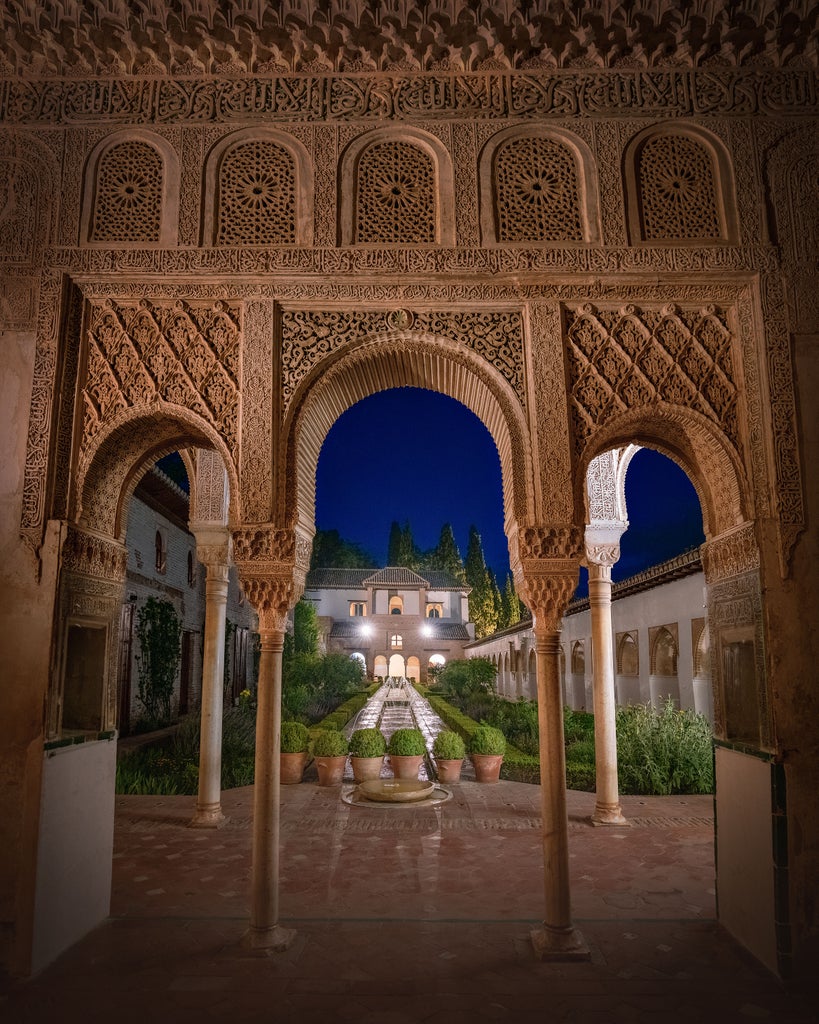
(481, 601)
(394, 545)
(511, 603)
(446, 557)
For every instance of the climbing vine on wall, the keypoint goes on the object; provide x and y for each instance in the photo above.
(159, 632)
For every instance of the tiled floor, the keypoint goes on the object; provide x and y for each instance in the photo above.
(407, 915)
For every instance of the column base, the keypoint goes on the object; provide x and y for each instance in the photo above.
(274, 940)
(608, 814)
(209, 816)
(559, 944)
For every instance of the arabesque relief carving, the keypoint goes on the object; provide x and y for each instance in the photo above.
(308, 337)
(189, 356)
(621, 359)
(91, 555)
(730, 554)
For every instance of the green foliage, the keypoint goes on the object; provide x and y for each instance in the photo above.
(171, 766)
(517, 720)
(305, 628)
(482, 607)
(158, 633)
(577, 725)
(313, 685)
(487, 740)
(330, 743)
(407, 743)
(331, 551)
(446, 557)
(448, 746)
(665, 751)
(344, 712)
(230, 629)
(511, 608)
(295, 738)
(368, 743)
(467, 676)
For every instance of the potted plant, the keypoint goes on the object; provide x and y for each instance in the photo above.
(406, 748)
(449, 751)
(486, 750)
(367, 749)
(294, 743)
(330, 751)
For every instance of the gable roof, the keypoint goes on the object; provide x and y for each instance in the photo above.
(389, 576)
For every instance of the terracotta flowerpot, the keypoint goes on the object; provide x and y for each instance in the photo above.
(331, 770)
(449, 770)
(406, 766)
(366, 768)
(487, 767)
(292, 767)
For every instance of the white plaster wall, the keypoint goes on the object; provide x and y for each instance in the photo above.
(335, 603)
(745, 888)
(73, 885)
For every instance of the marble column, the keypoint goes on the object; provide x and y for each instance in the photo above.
(547, 585)
(213, 547)
(265, 932)
(600, 556)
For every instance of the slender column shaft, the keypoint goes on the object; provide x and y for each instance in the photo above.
(607, 809)
(265, 931)
(208, 812)
(553, 783)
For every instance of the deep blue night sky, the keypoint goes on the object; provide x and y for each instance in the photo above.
(411, 454)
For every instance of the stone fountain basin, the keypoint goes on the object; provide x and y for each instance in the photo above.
(396, 791)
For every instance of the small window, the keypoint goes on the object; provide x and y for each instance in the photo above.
(161, 553)
(433, 611)
(358, 608)
(190, 569)
(396, 642)
(396, 606)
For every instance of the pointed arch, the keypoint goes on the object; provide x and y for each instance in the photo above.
(124, 449)
(404, 359)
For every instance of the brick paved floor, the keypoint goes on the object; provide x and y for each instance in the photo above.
(407, 915)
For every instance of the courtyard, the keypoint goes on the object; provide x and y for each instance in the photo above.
(409, 914)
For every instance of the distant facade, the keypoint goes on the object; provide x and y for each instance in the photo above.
(162, 563)
(397, 622)
(661, 644)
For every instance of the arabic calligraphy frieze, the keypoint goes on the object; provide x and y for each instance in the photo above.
(371, 97)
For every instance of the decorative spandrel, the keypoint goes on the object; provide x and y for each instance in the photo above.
(184, 354)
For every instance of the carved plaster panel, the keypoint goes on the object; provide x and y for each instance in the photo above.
(91, 555)
(627, 358)
(257, 412)
(730, 554)
(185, 355)
(378, 98)
(308, 337)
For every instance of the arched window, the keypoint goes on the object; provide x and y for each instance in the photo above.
(437, 661)
(380, 666)
(679, 186)
(433, 611)
(257, 195)
(578, 658)
(536, 191)
(190, 569)
(665, 653)
(161, 551)
(396, 606)
(358, 608)
(628, 656)
(396, 195)
(128, 194)
(396, 641)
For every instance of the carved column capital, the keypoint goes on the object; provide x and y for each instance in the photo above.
(214, 545)
(272, 563)
(602, 542)
(546, 561)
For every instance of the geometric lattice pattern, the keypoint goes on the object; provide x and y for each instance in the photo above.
(678, 197)
(257, 195)
(536, 192)
(395, 195)
(128, 196)
(622, 359)
(184, 355)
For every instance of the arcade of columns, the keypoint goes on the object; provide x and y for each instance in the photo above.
(219, 248)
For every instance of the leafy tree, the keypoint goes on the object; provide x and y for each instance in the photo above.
(331, 551)
(159, 633)
(467, 676)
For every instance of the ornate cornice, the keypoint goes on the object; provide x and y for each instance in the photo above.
(190, 37)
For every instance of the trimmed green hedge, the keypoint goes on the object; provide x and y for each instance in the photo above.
(517, 766)
(344, 712)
